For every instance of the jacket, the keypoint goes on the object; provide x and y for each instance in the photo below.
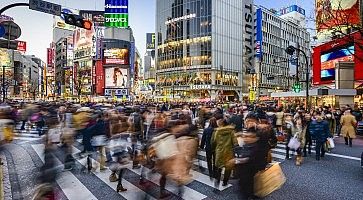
(206, 139)
(300, 133)
(348, 122)
(319, 130)
(222, 143)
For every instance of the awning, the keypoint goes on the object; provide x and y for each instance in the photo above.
(315, 92)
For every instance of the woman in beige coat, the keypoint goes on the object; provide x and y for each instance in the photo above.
(348, 123)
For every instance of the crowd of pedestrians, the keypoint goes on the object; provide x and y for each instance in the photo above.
(164, 137)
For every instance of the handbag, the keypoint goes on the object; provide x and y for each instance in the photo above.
(331, 143)
(280, 137)
(294, 143)
(269, 180)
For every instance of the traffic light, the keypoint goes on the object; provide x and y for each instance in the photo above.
(296, 87)
(77, 20)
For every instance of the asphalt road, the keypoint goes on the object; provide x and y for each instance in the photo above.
(330, 178)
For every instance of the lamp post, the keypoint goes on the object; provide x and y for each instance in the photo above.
(290, 50)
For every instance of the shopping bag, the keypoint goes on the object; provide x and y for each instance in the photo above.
(99, 140)
(269, 180)
(54, 135)
(331, 143)
(294, 143)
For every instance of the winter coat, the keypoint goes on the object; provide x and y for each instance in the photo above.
(223, 141)
(300, 133)
(279, 118)
(348, 122)
(319, 130)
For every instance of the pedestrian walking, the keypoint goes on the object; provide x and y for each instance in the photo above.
(206, 144)
(319, 131)
(348, 123)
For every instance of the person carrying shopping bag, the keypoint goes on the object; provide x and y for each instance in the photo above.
(300, 133)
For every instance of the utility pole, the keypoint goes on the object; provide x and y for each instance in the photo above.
(3, 85)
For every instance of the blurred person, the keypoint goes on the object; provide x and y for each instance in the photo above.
(319, 131)
(95, 135)
(206, 144)
(222, 143)
(236, 120)
(279, 119)
(300, 133)
(348, 130)
(332, 123)
(308, 141)
(337, 115)
(289, 130)
(271, 117)
(136, 130)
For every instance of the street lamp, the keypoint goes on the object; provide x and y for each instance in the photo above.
(290, 50)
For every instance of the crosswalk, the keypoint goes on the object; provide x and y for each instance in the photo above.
(75, 189)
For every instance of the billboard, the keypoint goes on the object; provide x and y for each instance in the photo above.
(116, 13)
(329, 59)
(59, 20)
(5, 57)
(116, 77)
(150, 41)
(116, 56)
(326, 55)
(331, 14)
(100, 77)
(259, 39)
(83, 43)
(97, 17)
(21, 46)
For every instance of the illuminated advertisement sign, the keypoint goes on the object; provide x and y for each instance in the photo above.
(97, 17)
(259, 40)
(116, 56)
(21, 46)
(150, 41)
(331, 14)
(116, 13)
(116, 77)
(59, 20)
(5, 58)
(185, 17)
(116, 20)
(116, 6)
(328, 61)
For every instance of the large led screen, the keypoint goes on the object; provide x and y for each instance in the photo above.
(116, 77)
(329, 59)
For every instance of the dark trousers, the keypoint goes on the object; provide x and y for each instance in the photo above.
(246, 181)
(319, 149)
(308, 144)
(210, 162)
(87, 140)
(23, 125)
(350, 141)
(120, 174)
(287, 155)
(218, 174)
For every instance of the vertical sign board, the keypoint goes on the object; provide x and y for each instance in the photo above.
(248, 34)
(132, 59)
(259, 45)
(116, 13)
(150, 41)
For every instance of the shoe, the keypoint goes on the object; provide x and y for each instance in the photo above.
(317, 158)
(68, 169)
(298, 160)
(163, 195)
(136, 167)
(346, 143)
(305, 155)
(224, 184)
(120, 188)
(103, 168)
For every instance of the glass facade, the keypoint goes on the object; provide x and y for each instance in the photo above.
(184, 49)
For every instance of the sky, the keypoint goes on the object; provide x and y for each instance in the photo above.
(37, 27)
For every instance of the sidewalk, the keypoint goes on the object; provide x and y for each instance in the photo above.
(5, 186)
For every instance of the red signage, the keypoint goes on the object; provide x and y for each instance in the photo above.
(100, 78)
(21, 46)
(50, 56)
(326, 55)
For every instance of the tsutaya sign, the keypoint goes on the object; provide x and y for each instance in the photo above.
(248, 34)
(199, 87)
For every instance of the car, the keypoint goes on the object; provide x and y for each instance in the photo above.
(360, 128)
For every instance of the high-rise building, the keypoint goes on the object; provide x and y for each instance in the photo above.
(277, 71)
(199, 47)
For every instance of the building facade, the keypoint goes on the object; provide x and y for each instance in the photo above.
(277, 70)
(198, 49)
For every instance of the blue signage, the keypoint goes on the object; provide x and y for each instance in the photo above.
(259, 38)
(2, 31)
(293, 8)
(116, 6)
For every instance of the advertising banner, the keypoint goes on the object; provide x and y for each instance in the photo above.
(97, 17)
(97, 42)
(100, 78)
(116, 56)
(116, 6)
(331, 14)
(150, 41)
(5, 57)
(21, 46)
(50, 56)
(248, 34)
(59, 20)
(116, 13)
(83, 43)
(259, 39)
(116, 77)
